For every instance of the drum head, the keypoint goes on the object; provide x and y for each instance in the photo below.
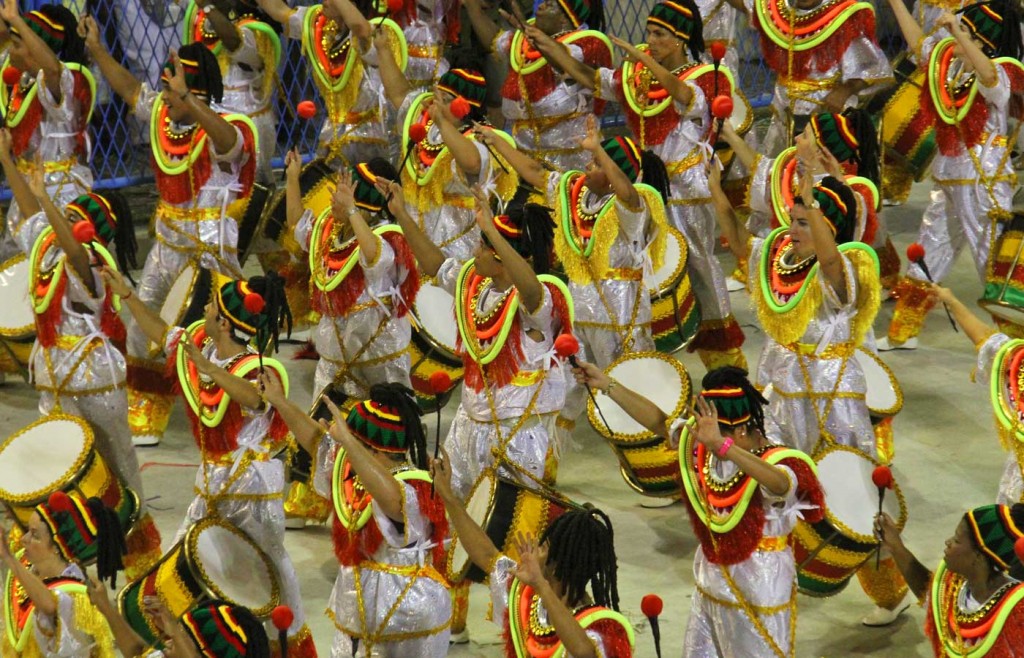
(187, 297)
(884, 395)
(1003, 310)
(18, 319)
(42, 458)
(742, 114)
(232, 566)
(436, 317)
(656, 376)
(667, 277)
(479, 505)
(851, 497)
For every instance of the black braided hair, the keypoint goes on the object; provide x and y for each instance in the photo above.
(596, 19)
(733, 377)
(655, 174)
(73, 48)
(257, 644)
(110, 542)
(696, 43)
(126, 246)
(867, 140)
(534, 220)
(581, 550)
(209, 70)
(279, 314)
(402, 399)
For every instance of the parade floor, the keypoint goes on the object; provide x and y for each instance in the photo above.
(947, 460)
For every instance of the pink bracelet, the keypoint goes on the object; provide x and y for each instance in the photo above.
(725, 446)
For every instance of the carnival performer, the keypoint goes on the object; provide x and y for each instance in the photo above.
(429, 26)
(248, 48)
(998, 372)
(48, 109)
(78, 364)
(441, 156)
(204, 163)
(46, 605)
(237, 434)
(608, 223)
(541, 602)
(389, 599)
(745, 603)
(972, 78)
(825, 57)
(816, 294)
(971, 604)
(547, 111)
(214, 628)
(665, 92)
(358, 120)
(364, 280)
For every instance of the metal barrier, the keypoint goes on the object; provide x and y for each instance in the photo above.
(141, 32)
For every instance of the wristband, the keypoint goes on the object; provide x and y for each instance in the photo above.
(611, 384)
(725, 446)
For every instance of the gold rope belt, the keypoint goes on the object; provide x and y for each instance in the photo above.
(165, 210)
(833, 351)
(773, 544)
(27, 167)
(623, 274)
(543, 123)
(431, 52)
(760, 610)
(676, 167)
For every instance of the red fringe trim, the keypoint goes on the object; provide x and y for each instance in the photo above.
(221, 440)
(560, 310)
(613, 636)
(351, 548)
(111, 324)
(298, 647)
(433, 509)
(21, 135)
(147, 380)
(541, 82)
(808, 488)
(184, 187)
(860, 23)
(718, 337)
(337, 302)
(736, 545)
(47, 321)
(405, 260)
(706, 83)
(871, 221)
(502, 370)
(83, 96)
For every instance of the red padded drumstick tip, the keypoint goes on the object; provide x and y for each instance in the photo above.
(417, 133)
(651, 605)
(882, 477)
(717, 50)
(282, 617)
(1018, 548)
(566, 345)
(306, 109)
(254, 303)
(60, 502)
(915, 252)
(440, 382)
(459, 107)
(722, 107)
(84, 231)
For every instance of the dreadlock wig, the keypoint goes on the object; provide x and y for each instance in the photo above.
(849, 137)
(58, 28)
(639, 166)
(222, 630)
(390, 422)
(469, 85)
(994, 530)
(996, 24)
(736, 400)
(529, 229)
(364, 176)
(681, 18)
(581, 12)
(838, 206)
(84, 531)
(581, 548)
(202, 72)
(257, 308)
(111, 218)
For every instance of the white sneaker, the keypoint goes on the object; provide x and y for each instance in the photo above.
(732, 284)
(462, 637)
(145, 440)
(294, 522)
(883, 344)
(884, 617)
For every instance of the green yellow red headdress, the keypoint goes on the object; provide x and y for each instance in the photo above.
(364, 177)
(390, 422)
(625, 154)
(995, 532)
(529, 229)
(85, 530)
(735, 398)
(50, 31)
(681, 18)
(256, 308)
(732, 404)
(222, 630)
(834, 132)
(202, 72)
(581, 12)
(465, 83)
(986, 22)
(838, 206)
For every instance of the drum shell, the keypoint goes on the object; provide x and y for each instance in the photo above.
(429, 355)
(1004, 277)
(650, 469)
(17, 327)
(675, 313)
(317, 182)
(906, 133)
(249, 213)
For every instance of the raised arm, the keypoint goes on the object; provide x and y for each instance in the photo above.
(276, 9)
(462, 148)
(428, 255)
(531, 290)
(128, 642)
(307, 431)
(917, 575)
(530, 171)
(42, 597)
(980, 62)
(49, 63)
(474, 540)
(974, 327)
(746, 155)
(732, 228)
(223, 135)
(382, 485)
(121, 80)
(639, 408)
(676, 88)
(485, 28)
(77, 255)
(621, 186)
(225, 29)
(396, 85)
(912, 32)
(151, 324)
(558, 55)
(358, 26)
(19, 186)
(293, 188)
(343, 205)
(825, 248)
(239, 389)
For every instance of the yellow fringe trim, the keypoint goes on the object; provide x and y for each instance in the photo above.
(432, 193)
(789, 327)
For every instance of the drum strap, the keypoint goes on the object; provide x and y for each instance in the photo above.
(824, 436)
(752, 611)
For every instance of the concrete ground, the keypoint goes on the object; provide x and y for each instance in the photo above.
(948, 459)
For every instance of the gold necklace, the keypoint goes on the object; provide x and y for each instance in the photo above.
(783, 261)
(479, 316)
(173, 134)
(973, 617)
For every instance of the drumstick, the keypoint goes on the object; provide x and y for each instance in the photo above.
(915, 254)
(882, 477)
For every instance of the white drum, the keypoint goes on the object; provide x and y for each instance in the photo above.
(434, 315)
(181, 307)
(656, 376)
(884, 395)
(673, 266)
(432, 348)
(18, 321)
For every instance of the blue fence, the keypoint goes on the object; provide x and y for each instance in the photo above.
(140, 33)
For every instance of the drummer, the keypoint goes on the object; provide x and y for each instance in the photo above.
(972, 168)
(203, 163)
(996, 351)
(970, 600)
(667, 110)
(389, 596)
(78, 364)
(238, 436)
(745, 603)
(54, 616)
(542, 601)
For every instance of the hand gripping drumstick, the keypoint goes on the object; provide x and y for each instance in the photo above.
(566, 347)
(882, 477)
(915, 254)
